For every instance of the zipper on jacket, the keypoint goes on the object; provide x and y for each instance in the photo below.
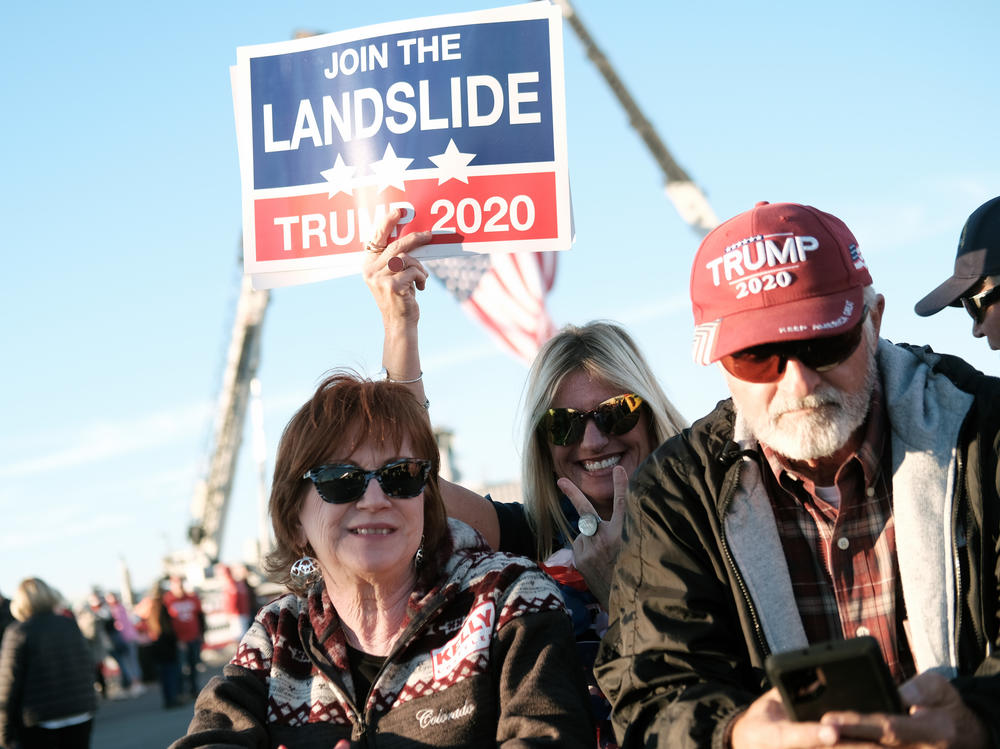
(758, 630)
(355, 714)
(982, 641)
(409, 634)
(956, 561)
(416, 626)
(961, 500)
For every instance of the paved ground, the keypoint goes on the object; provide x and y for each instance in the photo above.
(142, 722)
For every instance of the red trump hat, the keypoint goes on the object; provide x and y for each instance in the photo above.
(778, 272)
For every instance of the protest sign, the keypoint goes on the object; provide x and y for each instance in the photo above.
(459, 119)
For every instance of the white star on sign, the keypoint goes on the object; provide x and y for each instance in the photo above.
(339, 177)
(390, 169)
(452, 164)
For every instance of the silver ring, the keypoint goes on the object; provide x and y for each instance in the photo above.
(396, 263)
(588, 524)
(372, 247)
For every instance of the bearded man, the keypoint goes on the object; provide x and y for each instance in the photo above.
(849, 487)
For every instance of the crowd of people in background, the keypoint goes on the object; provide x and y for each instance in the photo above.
(58, 661)
(849, 487)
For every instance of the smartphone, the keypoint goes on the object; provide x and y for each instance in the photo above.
(836, 675)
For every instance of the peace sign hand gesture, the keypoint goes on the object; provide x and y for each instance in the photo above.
(594, 555)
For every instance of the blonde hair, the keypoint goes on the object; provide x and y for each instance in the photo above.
(605, 351)
(33, 596)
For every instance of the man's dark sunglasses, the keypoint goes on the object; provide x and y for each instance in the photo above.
(766, 363)
(976, 305)
(565, 426)
(340, 483)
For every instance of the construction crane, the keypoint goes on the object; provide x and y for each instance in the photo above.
(240, 393)
(688, 199)
(211, 497)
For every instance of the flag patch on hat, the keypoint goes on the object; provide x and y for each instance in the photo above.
(859, 262)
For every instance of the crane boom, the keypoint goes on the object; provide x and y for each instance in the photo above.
(211, 497)
(688, 199)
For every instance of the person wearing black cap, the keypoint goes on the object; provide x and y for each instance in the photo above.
(975, 284)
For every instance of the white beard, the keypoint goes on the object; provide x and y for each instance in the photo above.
(830, 418)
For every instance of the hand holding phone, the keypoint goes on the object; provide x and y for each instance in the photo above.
(840, 675)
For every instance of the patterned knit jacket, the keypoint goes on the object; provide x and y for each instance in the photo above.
(486, 658)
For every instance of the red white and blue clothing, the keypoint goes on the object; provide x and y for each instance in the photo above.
(486, 659)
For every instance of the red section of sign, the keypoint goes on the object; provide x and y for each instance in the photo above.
(500, 208)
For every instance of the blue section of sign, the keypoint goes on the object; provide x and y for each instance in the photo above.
(422, 107)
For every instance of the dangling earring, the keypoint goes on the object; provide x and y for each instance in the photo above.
(304, 572)
(418, 558)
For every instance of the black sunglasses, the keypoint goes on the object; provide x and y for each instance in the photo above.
(976, 305)
(565, 426)
(340, 483)
(766, 363)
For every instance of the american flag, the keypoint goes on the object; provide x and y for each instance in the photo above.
(504, 292)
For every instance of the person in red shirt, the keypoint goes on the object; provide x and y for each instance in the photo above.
(189, 625)
(246, 599)
(234, 602)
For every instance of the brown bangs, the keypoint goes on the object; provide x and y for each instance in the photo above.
(344, 413)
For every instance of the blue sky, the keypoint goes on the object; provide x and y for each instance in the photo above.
(121, 222)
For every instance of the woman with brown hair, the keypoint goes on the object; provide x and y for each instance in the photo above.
(163, 646)
(403, 628)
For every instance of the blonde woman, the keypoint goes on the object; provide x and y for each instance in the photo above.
(47, 696)
(594, 412)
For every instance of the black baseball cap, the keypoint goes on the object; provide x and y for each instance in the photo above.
(978, 257)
